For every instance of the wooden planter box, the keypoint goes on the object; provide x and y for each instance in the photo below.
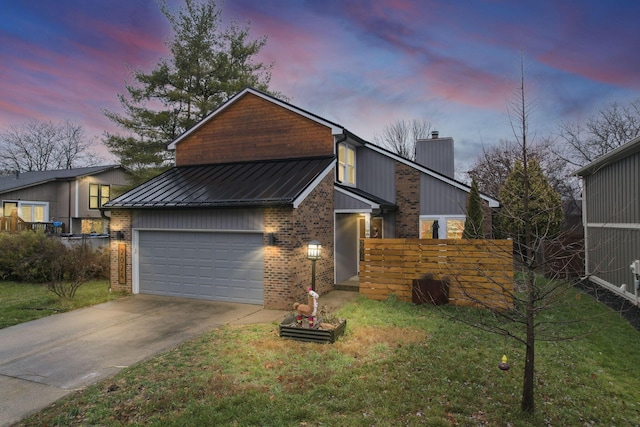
(289, 329)
(430, 291)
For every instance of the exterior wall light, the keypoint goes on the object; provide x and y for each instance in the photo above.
(314, 253)
(119, 235)
(272, 239)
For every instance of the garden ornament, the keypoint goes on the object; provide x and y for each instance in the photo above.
(504, 365)
(309, 310)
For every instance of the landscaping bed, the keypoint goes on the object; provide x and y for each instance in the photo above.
(321, 333)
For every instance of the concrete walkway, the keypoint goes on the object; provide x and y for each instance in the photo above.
(46, 359)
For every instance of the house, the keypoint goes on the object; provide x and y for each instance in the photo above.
(258, 179)
(72, 197)
(611, 218)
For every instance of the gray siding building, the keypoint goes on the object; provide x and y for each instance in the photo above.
(611, 216)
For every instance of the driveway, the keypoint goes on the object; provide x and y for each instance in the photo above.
(43, 360)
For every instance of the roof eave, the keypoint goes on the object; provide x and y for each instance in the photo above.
(612, 156)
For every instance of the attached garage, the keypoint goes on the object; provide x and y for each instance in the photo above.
(222, 266)
(229, 232)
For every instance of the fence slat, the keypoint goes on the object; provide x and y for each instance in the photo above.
(479, 271)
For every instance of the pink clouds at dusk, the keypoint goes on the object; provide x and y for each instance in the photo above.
(361, 63)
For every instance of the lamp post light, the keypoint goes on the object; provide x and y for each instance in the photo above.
(314, 252)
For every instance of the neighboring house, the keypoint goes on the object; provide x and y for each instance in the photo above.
(72, 197)
(253, 183)
(611, 217)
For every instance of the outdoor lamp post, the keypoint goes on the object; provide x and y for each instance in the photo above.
(314, 250)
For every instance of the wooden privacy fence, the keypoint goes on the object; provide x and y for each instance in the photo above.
(479, 272)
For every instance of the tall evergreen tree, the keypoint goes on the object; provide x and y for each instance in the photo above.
(208, 65)
(474, 223)
(544, 211)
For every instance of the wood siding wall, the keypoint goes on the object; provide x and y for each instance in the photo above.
(480, 271)
(254, 129)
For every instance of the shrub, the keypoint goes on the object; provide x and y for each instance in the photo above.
(28, 256)
(38, 258)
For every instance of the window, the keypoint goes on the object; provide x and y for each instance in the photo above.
(346, 164)
(98, 195)
(441, 227)
(8, 207)
(27, 211)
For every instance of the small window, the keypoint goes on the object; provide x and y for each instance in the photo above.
(346, 164)
(98, 195)
(8, 207)
(455, 228)
(441, 227)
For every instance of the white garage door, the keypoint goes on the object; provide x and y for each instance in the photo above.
(214, 266)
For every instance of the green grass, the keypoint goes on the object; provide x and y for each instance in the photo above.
(397, 364)
(22, 302)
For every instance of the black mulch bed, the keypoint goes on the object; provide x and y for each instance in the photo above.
(616, 302)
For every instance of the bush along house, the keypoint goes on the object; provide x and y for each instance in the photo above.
(257, 180)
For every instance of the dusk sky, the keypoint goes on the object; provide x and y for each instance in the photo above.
(362, 64)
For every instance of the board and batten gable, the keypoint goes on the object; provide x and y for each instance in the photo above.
(253, 128)
(375, 173)
(438, 197)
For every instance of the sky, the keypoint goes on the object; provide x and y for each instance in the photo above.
(363, 64)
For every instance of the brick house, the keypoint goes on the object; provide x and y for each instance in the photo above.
(253, 183)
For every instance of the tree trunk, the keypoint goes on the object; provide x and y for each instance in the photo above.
(528, 404)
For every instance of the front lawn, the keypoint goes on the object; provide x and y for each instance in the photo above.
(22, 302)
(397, 364)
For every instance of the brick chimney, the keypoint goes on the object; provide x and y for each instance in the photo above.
(436, 154)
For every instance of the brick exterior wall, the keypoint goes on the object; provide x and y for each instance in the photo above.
(120, 221)
(251, 129)
(408, 201)
(287, 271)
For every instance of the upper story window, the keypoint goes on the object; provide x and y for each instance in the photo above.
(98, 195)
(346, 164)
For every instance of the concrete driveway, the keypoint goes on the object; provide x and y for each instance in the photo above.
(43, 360)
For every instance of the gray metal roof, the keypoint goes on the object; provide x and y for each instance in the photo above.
(385, 204)
(258, 183)
(21, 180)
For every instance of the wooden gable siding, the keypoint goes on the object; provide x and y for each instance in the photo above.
(251, 129)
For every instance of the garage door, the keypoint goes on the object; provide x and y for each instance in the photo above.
(215, 266)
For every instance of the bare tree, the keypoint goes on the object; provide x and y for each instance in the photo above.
(530, 215)
(580, 143)
(493, 166)
(400, 136)
(40, 146)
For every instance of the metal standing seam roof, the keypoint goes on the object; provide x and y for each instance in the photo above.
(243, 184)
(385, 204)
